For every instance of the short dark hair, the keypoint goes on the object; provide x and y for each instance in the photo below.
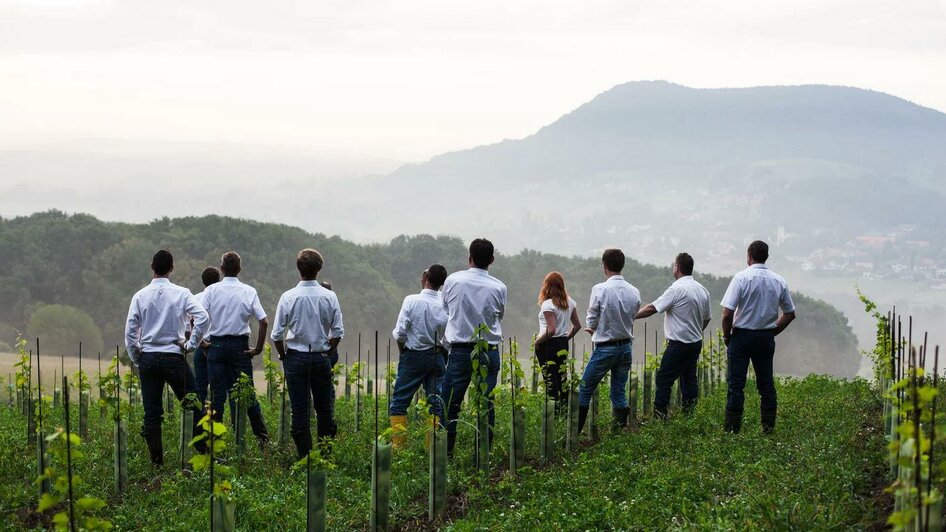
(230, 263)
(613, 260)
(210, 275)
(759, 251)
(162, 262)
(685, 263)
(436, 275)
(481, 253)
(309, 262)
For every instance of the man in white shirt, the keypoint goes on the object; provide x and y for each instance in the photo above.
(611, 311)
(472, 298)
(154, 338)
(306, 333)
(751, 321)
(419, 335)
(230, 305)
(209, 276)
(687, 307)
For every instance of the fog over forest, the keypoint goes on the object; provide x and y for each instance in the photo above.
(844, 183)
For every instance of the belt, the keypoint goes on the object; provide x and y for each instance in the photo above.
(753, 330)
(230, 337)
(611, 343)
(290, 351)
(470, 345)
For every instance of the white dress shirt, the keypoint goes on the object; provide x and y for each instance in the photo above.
(471, 298)
(230, 304)
(200, 299)
(307, 317)
(756, 294)
(157, 317)
(563, 317)
(611, 310)
(421, 322)
(687, 305)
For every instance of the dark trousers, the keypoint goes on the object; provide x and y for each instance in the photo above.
(309, 378)
(416, 368)
(679, 362)
(200, 373)
(157, 369)
(757, 347)
(457, 380)
(553, 366)
(226, 360)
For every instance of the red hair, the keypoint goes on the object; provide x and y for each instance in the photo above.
(553, 287)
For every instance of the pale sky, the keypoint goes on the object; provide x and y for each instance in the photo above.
(406, 80)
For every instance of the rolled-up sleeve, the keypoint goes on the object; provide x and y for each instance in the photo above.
(666, 299)
(733, 294)
(403, 323)
(201, 321)
(133, 331)
(785, 300)
(594, 310)
(279, 324)
(338, 329)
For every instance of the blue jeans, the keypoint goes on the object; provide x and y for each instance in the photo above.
(309, 377)
(156, 369)
(200, 373)
(226, 360)
(457, 380)
(757, 347)
(613, 358)
(416, 368)
(679, 362)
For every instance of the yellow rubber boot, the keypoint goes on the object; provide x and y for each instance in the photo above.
(399, 431)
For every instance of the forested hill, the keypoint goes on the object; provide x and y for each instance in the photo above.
(79, 262)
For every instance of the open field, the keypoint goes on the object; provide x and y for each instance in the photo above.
(823, 469)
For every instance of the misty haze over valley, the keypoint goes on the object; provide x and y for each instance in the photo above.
(845, 183)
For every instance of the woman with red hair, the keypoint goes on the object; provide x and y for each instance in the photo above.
(556, 311)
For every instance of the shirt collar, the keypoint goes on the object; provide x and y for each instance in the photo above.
(429, 292)
(230, 280)
(160, 280)
(309, 283)
(479, 271)
(759, 266)
(616, 277)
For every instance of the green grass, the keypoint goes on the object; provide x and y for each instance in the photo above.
(821, 470)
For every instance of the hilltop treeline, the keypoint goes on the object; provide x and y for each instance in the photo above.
(84, 263)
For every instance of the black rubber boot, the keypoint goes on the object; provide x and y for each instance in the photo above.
(303, 441)
(768, 421)
(660, 412)
(152, 436)
(689, 407)
(259, 429)
(451, 443)
(582, 417)
(619, 418)
(733, 422)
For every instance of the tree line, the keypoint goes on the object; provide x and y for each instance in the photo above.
(89, 269)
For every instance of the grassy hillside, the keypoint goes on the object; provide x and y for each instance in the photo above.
(95, 266)
(819, 471)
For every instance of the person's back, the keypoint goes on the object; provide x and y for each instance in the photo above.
(750, 323)
(425, 320)
(312, 316)
(471, 298)
(230, 304)
(756, 294)
(615, 302)
(154, 337)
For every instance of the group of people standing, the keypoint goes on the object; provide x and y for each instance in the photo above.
(438, 331)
